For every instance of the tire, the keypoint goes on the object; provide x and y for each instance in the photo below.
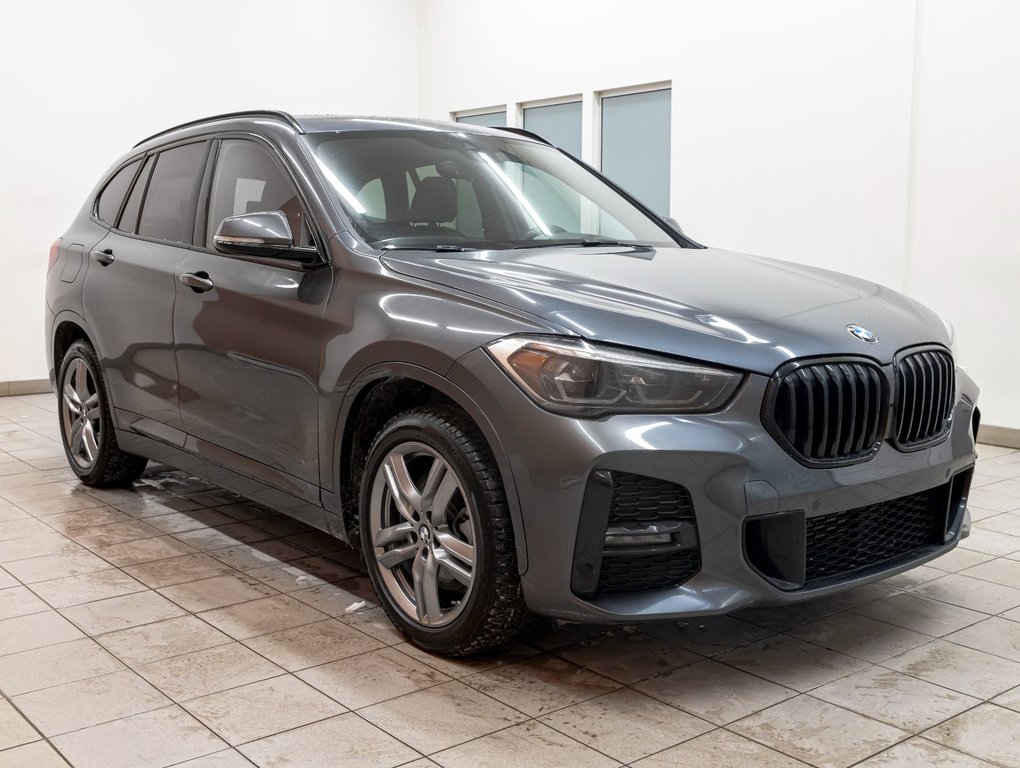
(86, 427)
(437, 536)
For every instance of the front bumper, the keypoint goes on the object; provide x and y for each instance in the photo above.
(734, 472)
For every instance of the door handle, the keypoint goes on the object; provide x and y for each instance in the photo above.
(199, 282)
(104, 257)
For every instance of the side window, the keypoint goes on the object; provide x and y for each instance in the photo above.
(129, 216)
(249, 180)
(168, 212)
(110, 199)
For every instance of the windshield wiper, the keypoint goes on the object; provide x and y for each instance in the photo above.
(443, 248)
(586, 243)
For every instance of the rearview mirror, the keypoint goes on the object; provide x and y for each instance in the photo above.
(255, 234)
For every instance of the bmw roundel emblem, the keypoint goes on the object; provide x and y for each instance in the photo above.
(862, 333)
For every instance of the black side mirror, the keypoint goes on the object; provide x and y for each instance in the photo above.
(255, 234)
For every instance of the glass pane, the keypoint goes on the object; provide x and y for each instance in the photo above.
(558, 123)
(129, 217)
(249, 180)
(635, 145)
(113, 193)
(489, 119)
(169, 209)
(475, 191)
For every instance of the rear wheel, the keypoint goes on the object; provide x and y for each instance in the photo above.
(86, 426)
(437, 535)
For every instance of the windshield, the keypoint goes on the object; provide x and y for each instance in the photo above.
(440, 189)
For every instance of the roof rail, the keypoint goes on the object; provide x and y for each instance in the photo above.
(523, 132)
(272, 113)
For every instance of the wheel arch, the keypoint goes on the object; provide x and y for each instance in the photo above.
(380, 392)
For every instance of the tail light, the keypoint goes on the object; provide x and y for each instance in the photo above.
(54, 252)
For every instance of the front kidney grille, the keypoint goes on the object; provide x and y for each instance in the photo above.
(844, 542)
(925, 393)
(829, 412)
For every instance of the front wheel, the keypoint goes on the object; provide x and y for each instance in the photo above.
(86, 425)
(437, 536)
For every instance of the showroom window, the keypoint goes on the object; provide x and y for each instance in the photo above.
(249, 180)
(169, 207)
(559, 124)
(113, 193)
(129, 216)
(636, 145)
(488, 119)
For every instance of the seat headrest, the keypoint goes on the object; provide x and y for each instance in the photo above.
(435, 201)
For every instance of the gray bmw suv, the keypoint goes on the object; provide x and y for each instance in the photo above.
(504, 379)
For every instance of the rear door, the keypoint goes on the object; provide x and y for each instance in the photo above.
(130, 286)
(249, 340)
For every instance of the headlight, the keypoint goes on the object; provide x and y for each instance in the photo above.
(575, 377)
(952, 336)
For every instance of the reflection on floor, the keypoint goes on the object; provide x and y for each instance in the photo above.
(176, 624)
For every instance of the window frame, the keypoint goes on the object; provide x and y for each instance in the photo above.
(196, 191)
(205, 195)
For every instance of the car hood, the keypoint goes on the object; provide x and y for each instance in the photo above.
(730, 308)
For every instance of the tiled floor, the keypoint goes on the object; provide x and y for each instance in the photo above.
(176, 624)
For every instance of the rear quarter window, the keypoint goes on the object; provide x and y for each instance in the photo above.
(109, 201)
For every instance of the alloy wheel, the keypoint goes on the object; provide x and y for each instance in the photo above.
(81, 414)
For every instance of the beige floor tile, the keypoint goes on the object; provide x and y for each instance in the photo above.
(114, 533)
(782, 618)
(19, 601)
(818, 733)
(161, 640)
(312, 644)
(920, 614)
(628, 657)
(199, 673)
(541, 685)
(345, 740)
(626, 725)
(144, 551)
(38, 754)
(792, 663)
(528, 744)
(89, 702)
(36, 546)
(228, 758)
(261, 617)
(262, 709)
(1004, 523)
(962, 669)
(860, 636)
(1009, 699)
(178, 570)
(301, 574)
(958, 559)
(1000, 637)
(207, 539)
(145, 508)
(919, 753)
(715, 692)
(54, 665)
(56, 490)
(548, 634)
(1001, 571)
(245, 557)
(861, 595)
(991, 542)
(375, 623)
(456, 713)
(894, 698)
(335, 599)
(43, 507)
(22, 527)
(60, 565)
(720, 749)
(179, 522)
(360, 681)
(988, 497)
(6, 580)
(116, 613)
(988, 732)
(971, 593)
(217, 592)
(97, 585)
(469, 665)
(14, 729)
(153, 739)
(81, 521)
(36, 630)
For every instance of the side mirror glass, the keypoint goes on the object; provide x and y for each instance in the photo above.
(255, 234)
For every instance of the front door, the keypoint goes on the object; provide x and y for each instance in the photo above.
(248, 332)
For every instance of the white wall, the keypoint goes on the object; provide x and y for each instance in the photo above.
(83, 82)
(811, 131)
